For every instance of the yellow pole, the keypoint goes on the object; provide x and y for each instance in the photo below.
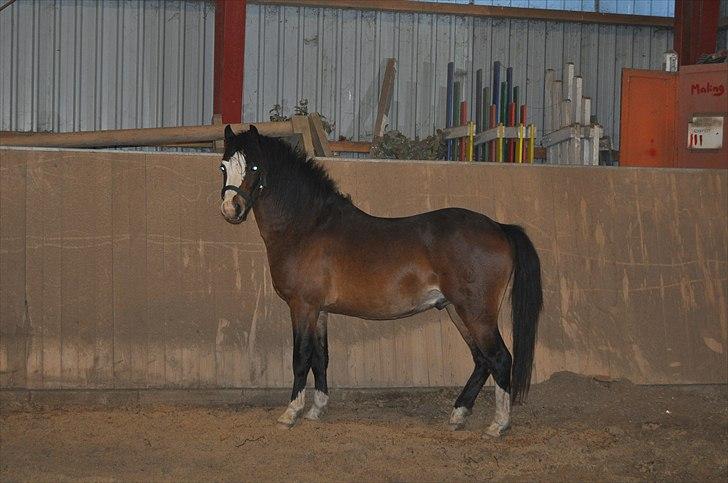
(471, 139)
(499, 142)
(531, 142)
(519, 146)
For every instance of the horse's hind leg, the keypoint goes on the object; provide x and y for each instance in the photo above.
(499, 361)
(482, 329)
(464, 403)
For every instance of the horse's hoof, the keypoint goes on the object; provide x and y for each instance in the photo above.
(314, 414)
(285, 424)
(495, 430)
(457, 418)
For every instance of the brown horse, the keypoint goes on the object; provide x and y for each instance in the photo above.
(328, 256)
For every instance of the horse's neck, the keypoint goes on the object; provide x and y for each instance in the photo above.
(277, 230)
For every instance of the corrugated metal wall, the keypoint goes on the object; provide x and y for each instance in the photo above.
(664, 8)
(83, 64)
(70, 65)
(335, 58)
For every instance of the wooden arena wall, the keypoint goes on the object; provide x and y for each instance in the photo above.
(117, 271)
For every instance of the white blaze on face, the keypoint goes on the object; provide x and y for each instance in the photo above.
(235, 172)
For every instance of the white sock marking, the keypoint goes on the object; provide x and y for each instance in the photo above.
(502, 418)
(320, 400)
(290, 415)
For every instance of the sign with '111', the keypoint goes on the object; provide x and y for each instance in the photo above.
(705, 132)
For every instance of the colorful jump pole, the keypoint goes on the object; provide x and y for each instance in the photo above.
(463, 122)
(493, 116)
(511, 123)
(499, 141)
(455, 118)
(478, 106)
(486, 123)
(471, 139)
(449, 102)
(496, 88)
(523, 120)
(519, 147)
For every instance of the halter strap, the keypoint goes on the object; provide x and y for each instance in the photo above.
(250, 197)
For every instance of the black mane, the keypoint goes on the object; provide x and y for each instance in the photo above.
(298, 185)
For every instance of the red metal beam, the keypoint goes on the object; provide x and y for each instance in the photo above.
(229, 52)
(696, 29)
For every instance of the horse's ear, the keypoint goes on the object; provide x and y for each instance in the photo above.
(229, 134)
(253, 131)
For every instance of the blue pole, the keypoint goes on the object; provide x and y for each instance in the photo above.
(448, 114)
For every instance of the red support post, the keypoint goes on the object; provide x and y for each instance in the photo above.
(229, 63)
(463, 122)
(696, 29)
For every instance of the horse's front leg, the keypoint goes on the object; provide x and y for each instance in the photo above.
(303, 320)
(319, 364)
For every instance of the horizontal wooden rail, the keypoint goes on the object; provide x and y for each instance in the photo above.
(137, 137)
(480, 11)
(350, 146)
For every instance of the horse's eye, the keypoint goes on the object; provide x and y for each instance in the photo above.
(222, 168)
(255, 168)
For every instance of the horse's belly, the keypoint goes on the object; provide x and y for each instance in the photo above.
(388, 307)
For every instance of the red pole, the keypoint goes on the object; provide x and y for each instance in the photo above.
(696, 29)
(463, 122)
(229, 52)
(524, 112)
(493, 123)
(511, 122)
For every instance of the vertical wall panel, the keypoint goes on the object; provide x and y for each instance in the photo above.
(72, 65)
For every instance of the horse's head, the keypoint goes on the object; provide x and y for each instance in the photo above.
(242, 176)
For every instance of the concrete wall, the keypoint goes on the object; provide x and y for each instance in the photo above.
(116, 271)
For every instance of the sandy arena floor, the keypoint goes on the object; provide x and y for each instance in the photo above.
(573, 428)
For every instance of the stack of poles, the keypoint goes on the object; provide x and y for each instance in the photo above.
(503, 110)
(566, 106)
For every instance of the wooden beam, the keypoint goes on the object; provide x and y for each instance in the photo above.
(229, 50)
(137, 137)
(385, 98)
(480, 11)
(350, 146)
(301, 126)
(320, 139)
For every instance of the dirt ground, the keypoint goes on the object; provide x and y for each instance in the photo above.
(573, 428)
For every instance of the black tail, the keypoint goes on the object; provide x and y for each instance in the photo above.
(526, 304)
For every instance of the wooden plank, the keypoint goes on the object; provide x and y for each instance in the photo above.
(129, 242)
(319, 136)
(301, 126)
(14, 323)
(138, 137)
(385, 98)
(479, 10)
(350, 146)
